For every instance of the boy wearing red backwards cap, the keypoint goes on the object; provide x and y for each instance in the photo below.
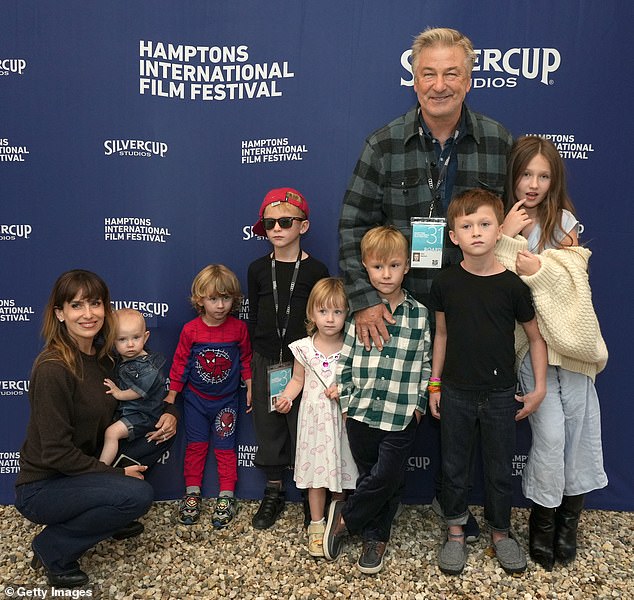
(279, 285)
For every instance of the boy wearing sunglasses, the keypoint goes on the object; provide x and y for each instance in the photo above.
(279, 284)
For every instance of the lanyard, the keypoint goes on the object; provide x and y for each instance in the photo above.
(282, 332)
(434, 187)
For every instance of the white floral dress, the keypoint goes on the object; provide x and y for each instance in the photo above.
(323, 457)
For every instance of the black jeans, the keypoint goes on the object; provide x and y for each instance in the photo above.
(463, 414)
(380, 457)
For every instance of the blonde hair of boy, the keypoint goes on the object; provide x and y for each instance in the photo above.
(215, 280)
(383, 243)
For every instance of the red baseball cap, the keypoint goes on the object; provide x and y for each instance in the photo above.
(277, 196)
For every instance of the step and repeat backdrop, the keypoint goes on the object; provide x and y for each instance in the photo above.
(137, 140)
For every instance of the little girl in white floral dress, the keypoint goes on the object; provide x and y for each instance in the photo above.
(323, 460)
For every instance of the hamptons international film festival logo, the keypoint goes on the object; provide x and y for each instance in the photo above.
(569, 147)
(519, 464)
(12, 66)
(10, 152)
(243, 311)
(497, 68)
(271, 150)
(206, 73)
(13, 312)
(246, 455)
(134, 229)
(9, 462)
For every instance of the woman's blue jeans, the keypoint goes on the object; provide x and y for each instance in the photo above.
(79, 512)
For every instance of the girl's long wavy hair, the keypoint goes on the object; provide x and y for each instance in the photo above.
(58, 343)
(549, 211)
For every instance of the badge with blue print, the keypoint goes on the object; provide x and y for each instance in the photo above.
(427, 242)
(279, 377)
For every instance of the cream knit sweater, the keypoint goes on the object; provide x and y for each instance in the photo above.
(563, 303)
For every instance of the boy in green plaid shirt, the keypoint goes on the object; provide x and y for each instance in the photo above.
(382, 396)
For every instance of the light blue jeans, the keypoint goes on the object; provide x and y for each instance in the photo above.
(566, 456)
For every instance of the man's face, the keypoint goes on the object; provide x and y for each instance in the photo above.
(441, 82)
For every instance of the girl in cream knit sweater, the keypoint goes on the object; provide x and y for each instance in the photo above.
(565, 460)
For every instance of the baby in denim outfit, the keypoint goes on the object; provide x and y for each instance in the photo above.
(142, 384)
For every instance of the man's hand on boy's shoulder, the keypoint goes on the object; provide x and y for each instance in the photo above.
(370, 325)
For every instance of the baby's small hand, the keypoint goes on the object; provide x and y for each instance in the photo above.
(111, 385)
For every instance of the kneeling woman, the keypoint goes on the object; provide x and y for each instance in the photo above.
(61, 483)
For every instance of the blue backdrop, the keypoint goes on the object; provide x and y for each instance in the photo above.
(137, 139)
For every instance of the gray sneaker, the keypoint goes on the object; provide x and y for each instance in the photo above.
(510, 555)
(453, 555)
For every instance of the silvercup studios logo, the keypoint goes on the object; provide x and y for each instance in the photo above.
(14, 387)
(148, 308)
(15, 231)
(12, 66)
(139, 148)
(497, 68)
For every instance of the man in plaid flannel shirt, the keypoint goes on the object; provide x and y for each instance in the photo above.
(400, 173)
(412, 167)
(381, 392)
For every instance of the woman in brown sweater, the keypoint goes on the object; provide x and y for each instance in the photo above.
(61, 483)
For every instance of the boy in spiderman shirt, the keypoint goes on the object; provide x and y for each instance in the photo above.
(212, 355)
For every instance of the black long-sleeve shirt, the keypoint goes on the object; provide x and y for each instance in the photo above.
(262, 324)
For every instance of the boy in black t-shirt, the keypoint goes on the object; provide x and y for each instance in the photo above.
(477, 304)
(279, 285)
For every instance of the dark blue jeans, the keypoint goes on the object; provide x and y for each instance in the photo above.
(464, 413)
(380, 457)
(79, 512)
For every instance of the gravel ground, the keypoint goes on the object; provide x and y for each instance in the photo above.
(173, 561)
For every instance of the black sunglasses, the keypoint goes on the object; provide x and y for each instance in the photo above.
(283, 222)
